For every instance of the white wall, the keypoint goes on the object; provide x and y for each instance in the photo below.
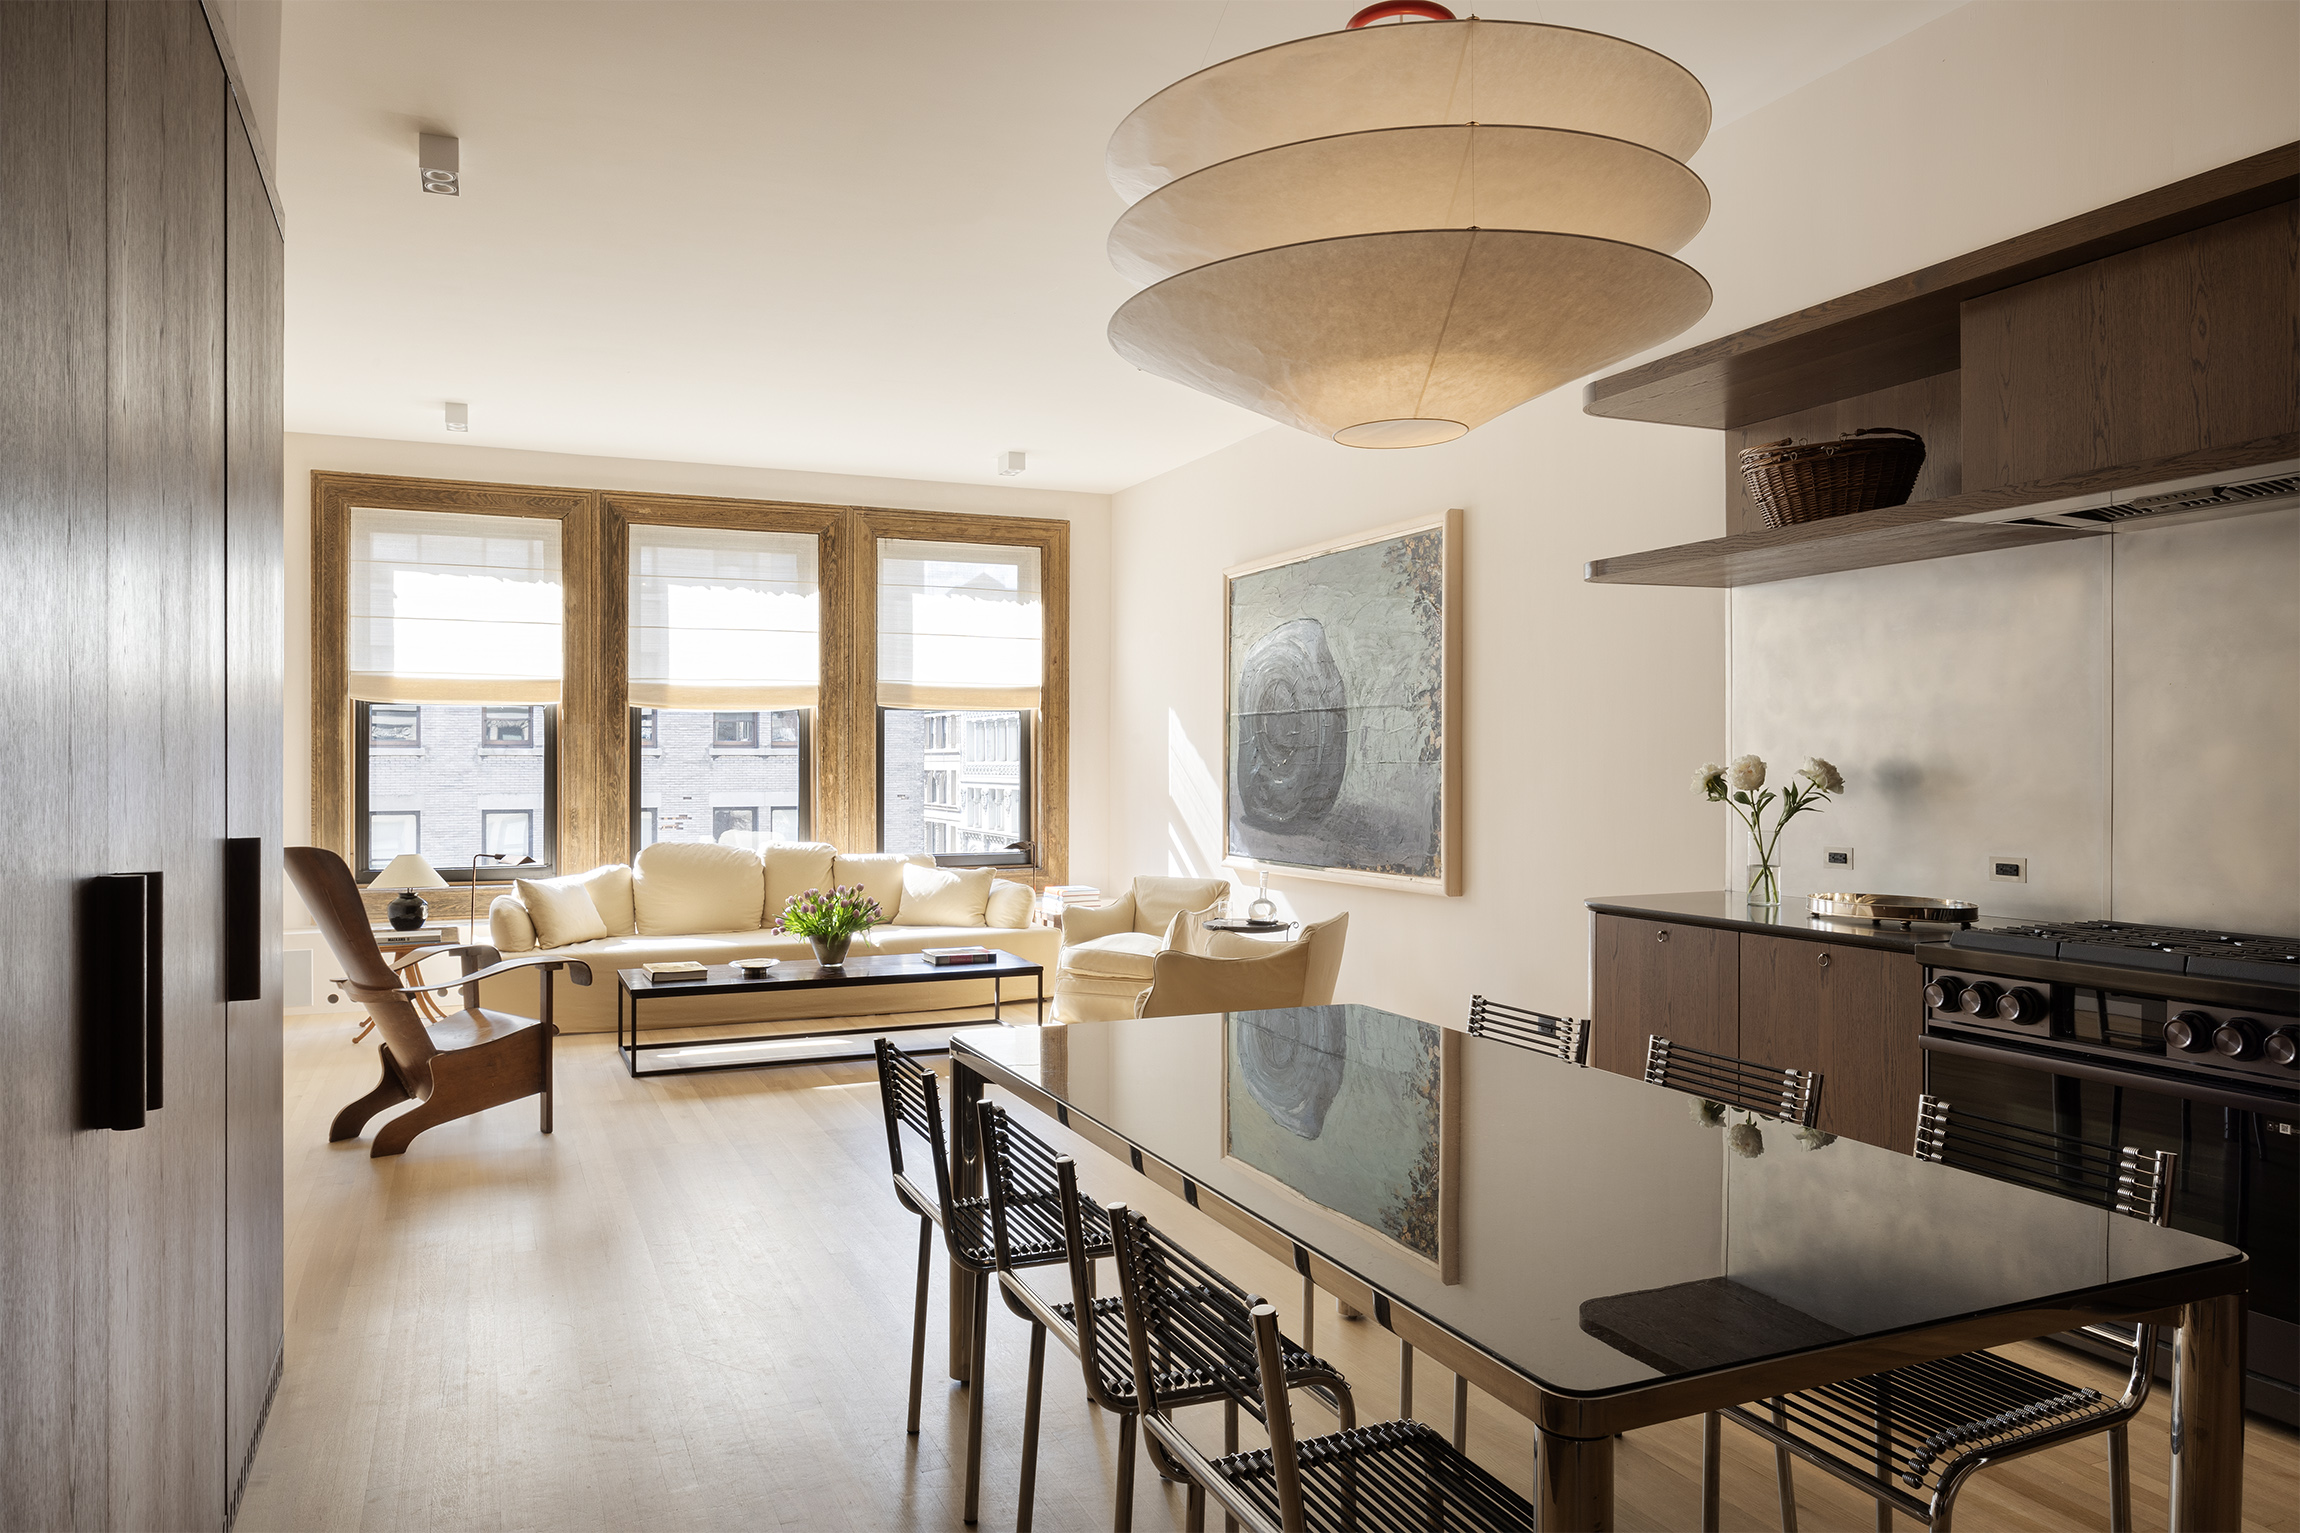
(1088, 516)
(1588, 707)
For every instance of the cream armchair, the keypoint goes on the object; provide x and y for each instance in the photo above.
(1107, 953)
(1248, 974)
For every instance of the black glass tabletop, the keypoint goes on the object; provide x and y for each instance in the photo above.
(1593, 1232)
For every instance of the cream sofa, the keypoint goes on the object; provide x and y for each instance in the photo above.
(713, 903)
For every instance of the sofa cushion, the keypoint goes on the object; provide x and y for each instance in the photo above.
(1126, 955)
(1009, 904)
(794, 867)
(1025, 943)
(943, 896)
(562, 910)
(879, 873)
(698, 886)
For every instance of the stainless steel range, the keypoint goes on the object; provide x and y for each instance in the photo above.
(2157, 1037)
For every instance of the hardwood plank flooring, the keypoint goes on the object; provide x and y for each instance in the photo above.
(689, 1308)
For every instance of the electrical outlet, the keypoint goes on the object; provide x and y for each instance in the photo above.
(1839, 858)
(2009, 870)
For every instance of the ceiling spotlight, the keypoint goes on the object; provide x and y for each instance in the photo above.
(1009, 464)
(441, 159)
(458, 415)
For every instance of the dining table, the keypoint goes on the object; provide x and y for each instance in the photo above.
(1595, 1251)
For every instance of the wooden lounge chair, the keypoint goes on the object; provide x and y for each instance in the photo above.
(471, 1060)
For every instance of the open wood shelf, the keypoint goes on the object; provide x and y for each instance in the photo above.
(1906, 329)
(1925, 530)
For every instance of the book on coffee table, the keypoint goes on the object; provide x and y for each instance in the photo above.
(662, 973)
(951, 955)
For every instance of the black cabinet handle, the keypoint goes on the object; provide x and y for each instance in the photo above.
(243, 918)
(125, 1065)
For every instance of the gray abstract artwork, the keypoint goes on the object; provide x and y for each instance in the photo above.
(1342, 1104)
(1336, 709)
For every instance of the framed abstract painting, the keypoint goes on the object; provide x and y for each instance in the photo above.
(1341, 710)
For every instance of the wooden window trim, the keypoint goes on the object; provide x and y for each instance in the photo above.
(594, 788)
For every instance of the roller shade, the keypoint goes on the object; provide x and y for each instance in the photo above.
(724, 618)
(452, 608)
(959, 625)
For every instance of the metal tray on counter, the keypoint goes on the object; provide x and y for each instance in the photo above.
(1895, 907)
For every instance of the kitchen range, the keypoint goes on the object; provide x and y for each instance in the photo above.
(2164, 1038)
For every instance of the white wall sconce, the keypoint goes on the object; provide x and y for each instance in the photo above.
(440, 159)
(458, 415)
(1009, 464)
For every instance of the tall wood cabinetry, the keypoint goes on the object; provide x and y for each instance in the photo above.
(140, 521)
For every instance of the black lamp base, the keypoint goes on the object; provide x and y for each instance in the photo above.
(406, 912)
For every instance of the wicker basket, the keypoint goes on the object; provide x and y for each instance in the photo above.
(1876, 466)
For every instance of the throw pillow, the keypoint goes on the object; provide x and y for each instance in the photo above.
(879, 873)
(943, 896)
(562, 911)
(1010, 904)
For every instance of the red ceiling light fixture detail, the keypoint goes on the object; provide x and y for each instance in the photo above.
(1388, 235)
(1424, 10)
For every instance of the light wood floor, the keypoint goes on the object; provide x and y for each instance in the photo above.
(689, 1308)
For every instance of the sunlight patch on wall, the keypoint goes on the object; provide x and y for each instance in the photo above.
(1196, 822)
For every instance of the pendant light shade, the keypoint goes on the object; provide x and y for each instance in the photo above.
(1406, 340)
(1389, 236)
(1391, 179)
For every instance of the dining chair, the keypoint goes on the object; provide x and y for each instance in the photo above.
(1390, 1475)
(1558, 1037)
(1012, 1160)
(911, 1096)
(1911, 1437)
(1793, 1096)
(466, 1061)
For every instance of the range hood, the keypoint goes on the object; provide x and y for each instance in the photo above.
(2267, 487)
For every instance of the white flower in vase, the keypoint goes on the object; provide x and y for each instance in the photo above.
(1746, 774)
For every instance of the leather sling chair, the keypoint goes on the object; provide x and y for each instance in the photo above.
(471, 1060)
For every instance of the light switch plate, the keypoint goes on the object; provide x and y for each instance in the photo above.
(1839, 858)
(2008, 870)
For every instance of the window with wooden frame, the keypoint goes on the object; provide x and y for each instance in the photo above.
(734, 648)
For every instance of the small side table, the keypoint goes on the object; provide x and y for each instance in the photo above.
(426, 1007)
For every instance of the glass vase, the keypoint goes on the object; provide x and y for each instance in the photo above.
(831, 952)
(1764, 884)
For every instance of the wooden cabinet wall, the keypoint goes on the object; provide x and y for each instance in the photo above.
(140, 515)
(1851, 1013)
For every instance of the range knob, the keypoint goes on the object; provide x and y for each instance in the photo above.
(2238, 1038)
(2190, 1032)
(2283, 1047)
(1942, 993)
(1979, 999)
(2021, 1005)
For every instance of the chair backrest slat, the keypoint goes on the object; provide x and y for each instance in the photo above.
(1793, 1096)
(911, 1096)
(2124, 1180)
(1184, 1319)
(1559, 1037)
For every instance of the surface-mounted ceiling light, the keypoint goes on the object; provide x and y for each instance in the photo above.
(1389, 236)
(458, 416)
(1010, 463)
(440, 159)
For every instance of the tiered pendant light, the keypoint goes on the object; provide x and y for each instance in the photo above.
(1390, 235)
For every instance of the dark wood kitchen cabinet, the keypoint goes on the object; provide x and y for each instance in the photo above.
(1681, 981)
(140, 514)
(1851, 1013)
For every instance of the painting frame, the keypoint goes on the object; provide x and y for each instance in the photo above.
(1446, 1268)
(1447, 880)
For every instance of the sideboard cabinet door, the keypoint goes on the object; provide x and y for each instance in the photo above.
(1648, 977)
(1851, 1013)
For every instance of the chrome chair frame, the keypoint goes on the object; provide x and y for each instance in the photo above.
(1793, 1096)
(1960, 1415)
(1390, 1475)
(1558, 1037)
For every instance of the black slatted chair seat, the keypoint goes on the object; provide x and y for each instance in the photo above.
(1034, 1229)
(1935, 1413)
(1393, 1475)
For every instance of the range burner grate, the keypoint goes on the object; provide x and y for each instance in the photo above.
(2133, 945)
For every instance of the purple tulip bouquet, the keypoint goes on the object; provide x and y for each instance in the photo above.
(829, 919)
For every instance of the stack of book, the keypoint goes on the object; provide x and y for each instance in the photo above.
(666, 973)
(1056, 898)
(949, 955)
(422, 936)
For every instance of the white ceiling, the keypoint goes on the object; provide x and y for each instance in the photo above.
(845, 236)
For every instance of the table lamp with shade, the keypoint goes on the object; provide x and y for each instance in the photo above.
(407, 873)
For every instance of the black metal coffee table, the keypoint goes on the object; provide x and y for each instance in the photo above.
(634, 985)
